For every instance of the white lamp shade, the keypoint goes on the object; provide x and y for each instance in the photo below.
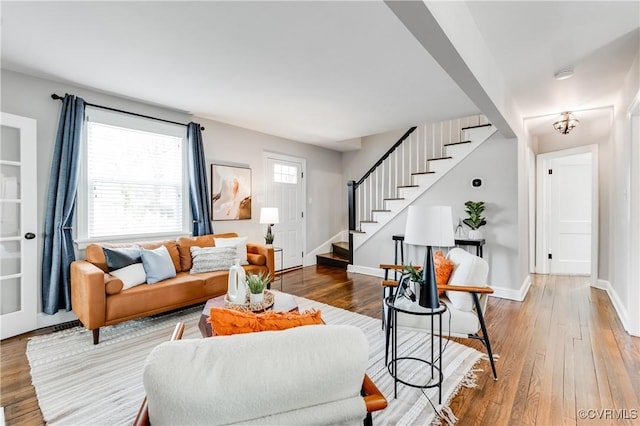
(429, 226)
(269, 215)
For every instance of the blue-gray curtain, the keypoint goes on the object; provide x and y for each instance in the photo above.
(61, 200)
(198, 189)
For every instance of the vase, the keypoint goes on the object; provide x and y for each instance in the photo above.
(237, 284)
(256, 298)
(475, 234)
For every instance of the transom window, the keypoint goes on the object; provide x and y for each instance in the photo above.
(285, 174)
(133, 179)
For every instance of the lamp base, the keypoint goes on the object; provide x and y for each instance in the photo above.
(429, 287)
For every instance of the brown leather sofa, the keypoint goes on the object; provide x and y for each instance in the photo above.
(98, 298)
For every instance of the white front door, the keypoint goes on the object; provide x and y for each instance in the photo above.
(284, 180)
(569, 213)
(18, 225)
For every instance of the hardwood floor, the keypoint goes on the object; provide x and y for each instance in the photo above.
(562, 350)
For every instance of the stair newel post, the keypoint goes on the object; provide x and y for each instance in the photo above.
(351, 202)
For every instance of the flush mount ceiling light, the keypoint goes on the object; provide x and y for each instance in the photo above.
(566, 123)
(563, 73)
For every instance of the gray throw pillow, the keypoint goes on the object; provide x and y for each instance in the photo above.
(157, 264)
(118, 258)
(208, 259)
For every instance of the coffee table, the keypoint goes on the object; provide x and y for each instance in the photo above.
(282, 302)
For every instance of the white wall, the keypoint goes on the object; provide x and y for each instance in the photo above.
(30, 97)
(495, 162)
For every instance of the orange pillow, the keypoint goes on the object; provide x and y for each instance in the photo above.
(444, 267)
(230, 321)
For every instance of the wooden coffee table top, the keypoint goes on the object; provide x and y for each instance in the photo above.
(282, 302)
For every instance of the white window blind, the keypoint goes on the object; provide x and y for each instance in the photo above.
(134, 179)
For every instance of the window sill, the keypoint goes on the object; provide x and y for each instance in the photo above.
(82, 244)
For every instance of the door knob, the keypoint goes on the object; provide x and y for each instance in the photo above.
(29, 235)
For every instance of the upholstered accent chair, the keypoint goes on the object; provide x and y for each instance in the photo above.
(305, 375)
(465, 294)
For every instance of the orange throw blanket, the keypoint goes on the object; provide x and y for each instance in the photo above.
(226, 321)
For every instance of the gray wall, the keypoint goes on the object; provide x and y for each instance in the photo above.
(30, 97)
(495, 162)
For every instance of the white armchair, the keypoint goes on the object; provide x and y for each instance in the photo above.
(305, 375)
(466, 299)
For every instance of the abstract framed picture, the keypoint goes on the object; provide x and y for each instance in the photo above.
(230, 192)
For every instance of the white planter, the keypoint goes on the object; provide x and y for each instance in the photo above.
(475, 234)
(256, 298)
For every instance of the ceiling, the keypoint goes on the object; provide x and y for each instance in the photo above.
(316, 72)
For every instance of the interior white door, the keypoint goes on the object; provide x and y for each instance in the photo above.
(18, 221)
(285, 190)
(570, 191)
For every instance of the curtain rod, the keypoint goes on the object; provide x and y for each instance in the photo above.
(58, 97)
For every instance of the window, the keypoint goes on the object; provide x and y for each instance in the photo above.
(285, 174)
(134, 180)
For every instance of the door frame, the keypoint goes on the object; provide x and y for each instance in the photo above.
(266, 155)
(633, 204)
(542, 239)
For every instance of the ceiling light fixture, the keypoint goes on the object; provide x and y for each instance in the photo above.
(564, 73)
(566, 123)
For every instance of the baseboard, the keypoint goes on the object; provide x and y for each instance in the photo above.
(366, 270)
(310, 258)
(511, 294)
(615, 301)
(45, 320)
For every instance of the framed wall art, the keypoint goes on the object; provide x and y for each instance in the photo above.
(230, 192)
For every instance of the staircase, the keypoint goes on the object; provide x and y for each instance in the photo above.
(337, 258)
(411, 166)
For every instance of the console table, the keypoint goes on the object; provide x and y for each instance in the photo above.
(399, 240)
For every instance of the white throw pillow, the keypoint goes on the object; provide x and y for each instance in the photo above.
(209, 259)
(240, 243)
(131, 275)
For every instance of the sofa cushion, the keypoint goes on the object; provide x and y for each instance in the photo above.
(185, 244)
(157, 264)
(94, 253)
(118, 258)
(256, 259)
(209, 259)
(143, 300)
(240, 243)
(131, 275)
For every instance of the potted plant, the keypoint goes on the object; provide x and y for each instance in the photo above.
(257, 284)
(475, 220)
(415, 276)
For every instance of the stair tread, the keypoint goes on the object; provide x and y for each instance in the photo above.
(474, 127)
(409, 186)
(457, 143)
(381, 211)
(368, 221)
(393, 199)
(331, 255)
(342, 244)
(356, 231)
(422, 173)
(439, 158)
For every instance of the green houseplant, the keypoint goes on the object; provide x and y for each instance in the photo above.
(475, 220)
(257, 284)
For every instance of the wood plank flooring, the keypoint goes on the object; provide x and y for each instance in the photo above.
(562, 350)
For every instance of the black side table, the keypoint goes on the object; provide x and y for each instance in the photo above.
(436, 371)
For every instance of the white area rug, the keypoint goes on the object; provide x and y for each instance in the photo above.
(78, 383)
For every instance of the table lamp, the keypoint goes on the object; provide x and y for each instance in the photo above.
(269, 216)
(429, 226)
